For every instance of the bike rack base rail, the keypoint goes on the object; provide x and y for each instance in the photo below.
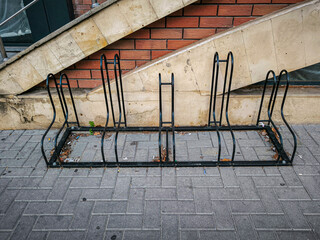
(215, 122)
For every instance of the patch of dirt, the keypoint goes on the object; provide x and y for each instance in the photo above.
(163, 156)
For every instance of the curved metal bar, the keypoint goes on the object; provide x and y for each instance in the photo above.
(117, 59)
(119, 106)
(71, 97)
(230, 58)
(216, 65)
(282, 114)
(160, 118)
(64, 105)
(103, 59)
(272, 100)
(262, 97)
(172, 119)
(50, 75)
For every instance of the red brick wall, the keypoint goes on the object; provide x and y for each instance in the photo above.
(197, 21)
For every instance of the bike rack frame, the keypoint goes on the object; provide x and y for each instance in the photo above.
(214, 121)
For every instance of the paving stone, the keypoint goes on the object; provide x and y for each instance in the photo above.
(222, 215)
(48, 207)
(185, 192)
(146, 181)
(24, 227)
(243, 206)
(59, 189)
(290, 176)
(272, 171)
(82, 215)
(225, 193)
(125, 221)
(248, 188)
(9, 153)
(6, 145)
(109, 178)
(267, 235)
(245, 229)
(136, 201)
(38, 235)
(310, 207)
(206, 181)
(250, 143)
(229, 178)
(97, 194)
(142, 234)
(14, 136)
(170, 227)
(296, 235)
(27, 149)
(315, 223)
(6, 198)
(270, 221)
(17, 172)
(189, 235)
(311, 184)
(33, 194)
(17, 183)
(197, 221)
(110, 207)
(70, 201)
(121, 190)
(68, 235)
(97, 227)
(12, 216)
(86, 182)
(249, 171)
(295, 215)
(178, 206)
(161, 194)
(202, 200)
(307, 170)
(152, 214)
(53, 222)
(272, 181)
(222, 235)
(292, 194)
(116, 234)
(270, 200)
(199, 143)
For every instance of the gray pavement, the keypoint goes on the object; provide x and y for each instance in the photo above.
(155, 203)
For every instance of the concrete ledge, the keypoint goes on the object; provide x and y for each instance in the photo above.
(93, 31)
(33, 110)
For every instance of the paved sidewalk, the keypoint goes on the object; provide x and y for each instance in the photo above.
(155, 203)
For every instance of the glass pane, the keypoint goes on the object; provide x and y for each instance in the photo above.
(18, 28)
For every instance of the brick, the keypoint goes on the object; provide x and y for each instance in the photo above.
(200, 10)
(190, 234)
(108, 53)
(70, 201)
(198, 33)
(273, 181)
(218, 1)
(122, 44)
(234, 10)
(311, 184)
(121, 189)
(254, 1)
(6, 198)
(158, 24)
(197, 221)
(240, 20)
(202, 200)
(33, 194)
(225, 193)
(38, 235)
(248, 188)
(85, 182)
(135, 54)
(229, 178)
(82, 74)
(97, 194)
(215, 22)
(150, 44)
(207, 181)
(89, 83)
(159, 53)
(143, 33)
(166, 33)
(182, 22)
(292, 194)
(176, 44)
(296, 235)
(136, 201)
(160, 194)
(263, 9)
(53, 222)
(87, 64)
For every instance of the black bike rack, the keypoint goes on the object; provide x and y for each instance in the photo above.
(214, 122)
